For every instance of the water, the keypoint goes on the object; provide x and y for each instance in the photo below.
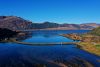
(52, 36)
(14, 55)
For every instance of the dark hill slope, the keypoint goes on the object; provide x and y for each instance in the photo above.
(14, 23)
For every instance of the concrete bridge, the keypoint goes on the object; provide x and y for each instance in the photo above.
(53, 43)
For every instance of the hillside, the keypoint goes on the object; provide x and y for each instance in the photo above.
(56, 26)
(45, 25)
(14, 23)
(95, 31)
(18, 23)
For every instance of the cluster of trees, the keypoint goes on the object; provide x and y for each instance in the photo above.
(6, 33)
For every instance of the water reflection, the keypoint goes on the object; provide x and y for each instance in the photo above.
(18, 55)
(25, 35)
(48, 34)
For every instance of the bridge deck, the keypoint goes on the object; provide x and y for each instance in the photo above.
(54, 43)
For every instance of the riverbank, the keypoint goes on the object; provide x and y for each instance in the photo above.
(90, 47)
(73, 36)
(85, 43)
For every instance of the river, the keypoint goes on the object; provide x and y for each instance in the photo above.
(19, 55)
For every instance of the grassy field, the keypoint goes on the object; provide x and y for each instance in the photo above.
(93, 48)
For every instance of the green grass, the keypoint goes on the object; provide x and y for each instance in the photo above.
(98, 46)
(94, 49)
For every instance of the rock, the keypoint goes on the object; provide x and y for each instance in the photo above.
(73, 36)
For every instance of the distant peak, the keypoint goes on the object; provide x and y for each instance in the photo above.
(90, 23)
(5, 17)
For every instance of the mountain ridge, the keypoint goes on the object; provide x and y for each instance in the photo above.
(18, 23)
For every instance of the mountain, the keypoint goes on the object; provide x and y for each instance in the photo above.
(14, 23)
(45, 25)
(55, 26)
(94, 25)
(71, 26)
(18, 23)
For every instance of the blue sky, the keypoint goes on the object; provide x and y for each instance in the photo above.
(60, 11)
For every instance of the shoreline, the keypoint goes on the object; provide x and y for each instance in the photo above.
(86, 46)
(83, 47)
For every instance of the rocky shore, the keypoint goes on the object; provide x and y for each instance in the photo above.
(72, 36)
